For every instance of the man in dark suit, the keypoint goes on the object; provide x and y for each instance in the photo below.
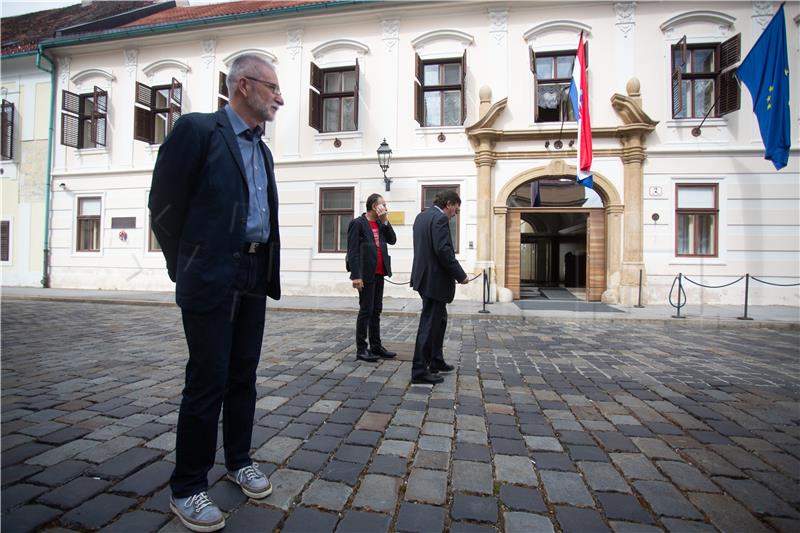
(368, 261)
(433, 275)
(214, 209)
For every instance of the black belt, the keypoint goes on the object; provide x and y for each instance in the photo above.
(253, 247)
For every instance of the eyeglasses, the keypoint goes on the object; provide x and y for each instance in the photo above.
(272, 87)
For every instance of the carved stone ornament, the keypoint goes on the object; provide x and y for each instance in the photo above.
(390, 33)
(63, 70)
(209, 52)
(762, 13)
(294, 42)
(131, 60)
(625, 13)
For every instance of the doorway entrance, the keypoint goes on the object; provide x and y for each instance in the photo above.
(555, 241)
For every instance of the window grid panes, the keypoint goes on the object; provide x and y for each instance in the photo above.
(553, 75)
(698, 80)
(338, 100)
(443, 92)
(88, 225)
(429, 192)
(696, 216)
(335, 213)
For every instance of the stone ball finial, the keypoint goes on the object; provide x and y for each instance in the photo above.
(485, 94)
(633, 87)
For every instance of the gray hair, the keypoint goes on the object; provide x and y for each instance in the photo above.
(242, 66)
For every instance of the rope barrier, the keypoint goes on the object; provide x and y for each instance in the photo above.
(775, 284)
(409, 281)
(712, 286)
(680, 292)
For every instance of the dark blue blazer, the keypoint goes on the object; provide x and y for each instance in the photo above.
(435, 269)
(198, 204)
(362, 254)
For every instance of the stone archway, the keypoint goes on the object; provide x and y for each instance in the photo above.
(605, 239)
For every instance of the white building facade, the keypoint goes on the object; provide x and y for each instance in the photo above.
(468, 96)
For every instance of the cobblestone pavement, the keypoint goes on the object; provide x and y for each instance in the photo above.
(546, 426)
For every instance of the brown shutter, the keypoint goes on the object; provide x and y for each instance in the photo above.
(314, 99)
(418, 103)
(5, 239)
(70, 102)
(144, 95)
(532, 58)
(223, 85)
(677, 92)
(7, 142)
(463, 87)
(355, 96)
(418, 68)
(730, 52)
(99, 112)
(70, 126)
(586, 54)
(175, 102)
(143, 125)
(595, 255)
(729, 93)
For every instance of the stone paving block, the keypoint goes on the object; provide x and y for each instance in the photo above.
(353, 454)
(575, 520)
(399, 448)
(404, 417)
(687, 477)
(124, 463)
(364, 522)
(98, 511)
(327, 494)
(343, 471)
(629, 527)
(226, 494)
(29, 518)
(516, 522)
(467, 527)
(18, 472)
(726, 514)
(553, 461)
(286, 485)
(565, 487)
(677, 525)
(479, 508)
(146, 480)
(137, 521)
(756, 497)
(307, 460)
(472, 452)
(587, 453)
(665, 499)
(636, 466)
(439, 429)
(362, 437)
(378, 493)
(109, 449)
(420, 518)
(712, 463)
(522, 499)
(783, 462)
(655, 448)
(623, 507)
(324, 406)
(305, 519)
(615, 442)
(471, 423)
(603, 477)
(469, 476)
(513, 469)
(298, 431)
(322, 443)
(401, 433)
(427, 486)
(43, 455)
(788, 489)
(434, 444)
(73, 493)
(373, 421)
(472, 437)
(270, 403)
(544, 444)
(784, 525)
(277, 449)
(431, 460)
(16, 495)
(389, 465)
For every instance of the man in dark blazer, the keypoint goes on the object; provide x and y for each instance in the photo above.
(214, 209)
(433, 275)
(368, 261)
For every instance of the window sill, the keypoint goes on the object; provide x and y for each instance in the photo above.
(331, 135)
(151, 148)
(693, 122)
(698, 261)
(436, 130)
(103, 150)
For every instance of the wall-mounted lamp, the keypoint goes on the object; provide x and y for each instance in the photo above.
(62, 186)
(384, 158)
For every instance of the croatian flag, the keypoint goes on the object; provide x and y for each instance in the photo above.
(579, 95)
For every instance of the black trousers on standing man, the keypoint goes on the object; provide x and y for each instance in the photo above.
(428, 352)
(370, 306)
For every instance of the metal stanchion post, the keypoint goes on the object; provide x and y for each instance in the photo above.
(680, 290)
(639, 305)
(485, 291)
(746, 297)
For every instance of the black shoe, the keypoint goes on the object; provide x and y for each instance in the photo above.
(365, 355)
(441, 367)
(380, 351)
(426, 379)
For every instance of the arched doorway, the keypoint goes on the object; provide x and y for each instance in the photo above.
(559, 257)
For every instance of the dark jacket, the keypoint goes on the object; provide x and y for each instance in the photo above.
(198, 204)
(362, 255)
(435, 269)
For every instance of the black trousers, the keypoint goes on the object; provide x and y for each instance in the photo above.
(224, 350)
(370, 306)
(430, 336)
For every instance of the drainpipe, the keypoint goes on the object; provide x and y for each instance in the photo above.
(48, 173)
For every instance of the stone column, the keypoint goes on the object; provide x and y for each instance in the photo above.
(499, 271)
(633, 155)
(613, 253)
(484, 161)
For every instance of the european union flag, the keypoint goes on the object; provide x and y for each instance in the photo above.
(765, 72)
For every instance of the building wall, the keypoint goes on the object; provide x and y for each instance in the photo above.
(758, 206)
(22, 182)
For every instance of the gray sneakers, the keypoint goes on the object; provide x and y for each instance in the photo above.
(197, 512)
(252, 481)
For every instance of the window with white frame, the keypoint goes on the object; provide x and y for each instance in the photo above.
(696, 220)
(333, 98)
(439, 98)
(156, 110)
(335, 214)
(88, 224)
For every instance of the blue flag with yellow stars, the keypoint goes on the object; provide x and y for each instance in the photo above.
(765, 72)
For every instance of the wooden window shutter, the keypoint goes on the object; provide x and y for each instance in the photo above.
(70, 123)
(677, 76)
(71, 102)
(314, 99)
(418, 72)
(5, 240)
(143, 119)
(464, 87)
(175, 103)
(729, 93)
(730, 52)
(418, 96)
(99, 113)
(355, 96)
(7, 142)
(144, 95)
(223, 85)
(532, 59)
(586, 53)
